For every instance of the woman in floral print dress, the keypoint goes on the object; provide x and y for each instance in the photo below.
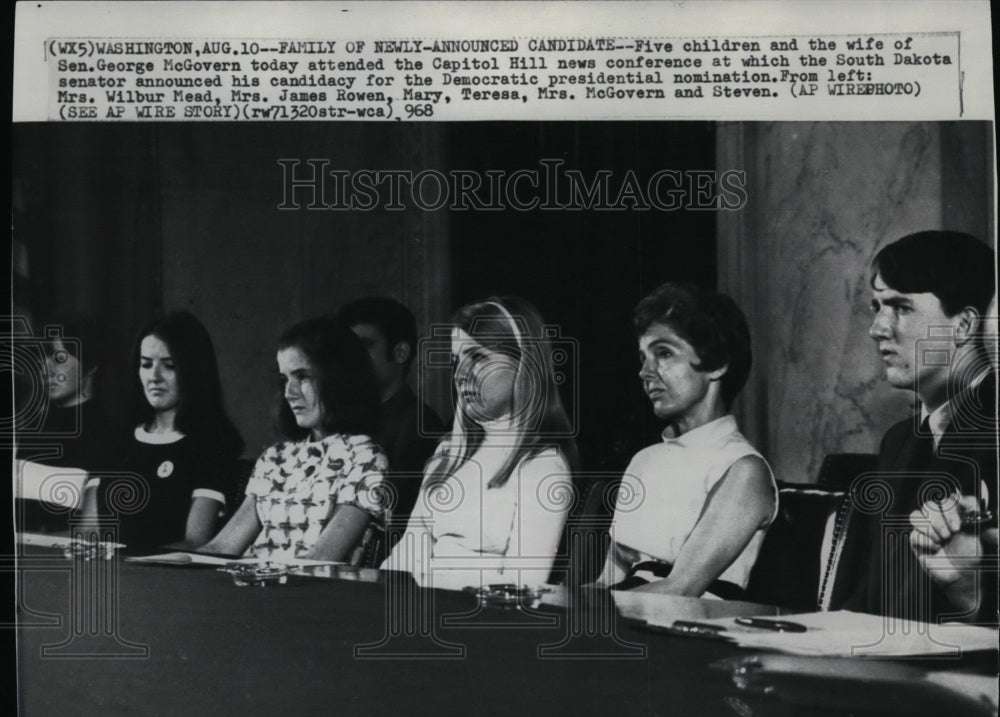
(316, 495)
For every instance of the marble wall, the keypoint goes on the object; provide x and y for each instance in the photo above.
(823, 198)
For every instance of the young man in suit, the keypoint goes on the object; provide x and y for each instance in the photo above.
(930, 292)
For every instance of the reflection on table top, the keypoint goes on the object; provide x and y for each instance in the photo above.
(111, 637)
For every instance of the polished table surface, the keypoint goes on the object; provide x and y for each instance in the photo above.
(186, 640)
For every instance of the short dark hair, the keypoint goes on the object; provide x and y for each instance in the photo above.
(711, 322)
(344, 376)
(956, 267)
(394, 320)
(201, 413)
(86, 337)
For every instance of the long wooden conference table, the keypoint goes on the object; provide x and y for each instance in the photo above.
(120, 638)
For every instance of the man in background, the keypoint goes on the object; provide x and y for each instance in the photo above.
(409, 429)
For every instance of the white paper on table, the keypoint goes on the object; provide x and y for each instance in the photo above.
(43, 539)
(50, 540)
(184, 558)
(661, 609)
(843, 633)
(50, 484)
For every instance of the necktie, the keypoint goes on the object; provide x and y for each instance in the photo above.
(923, 448)
(906, 590)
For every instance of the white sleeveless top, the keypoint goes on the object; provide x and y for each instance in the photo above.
(664, 490)
(476, 535)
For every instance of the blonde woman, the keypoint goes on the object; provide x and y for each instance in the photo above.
(493, 502)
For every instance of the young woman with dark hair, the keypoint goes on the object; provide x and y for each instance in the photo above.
(181, 458)
(317, 495)
(496, 492)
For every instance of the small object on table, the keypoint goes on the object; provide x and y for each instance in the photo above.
(256, 574)
(90, 549)
(854, 685)
(508, 595)
(688, 628)
(768, 624)
(697, 626)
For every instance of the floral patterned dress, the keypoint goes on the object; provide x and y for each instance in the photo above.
(298, 484)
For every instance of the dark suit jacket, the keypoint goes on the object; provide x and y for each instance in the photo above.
(878, 572)
(408, 433)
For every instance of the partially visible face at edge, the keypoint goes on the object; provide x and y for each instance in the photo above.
(64, 375)
(991, 332)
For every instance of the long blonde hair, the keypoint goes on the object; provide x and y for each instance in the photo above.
(511, 326)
